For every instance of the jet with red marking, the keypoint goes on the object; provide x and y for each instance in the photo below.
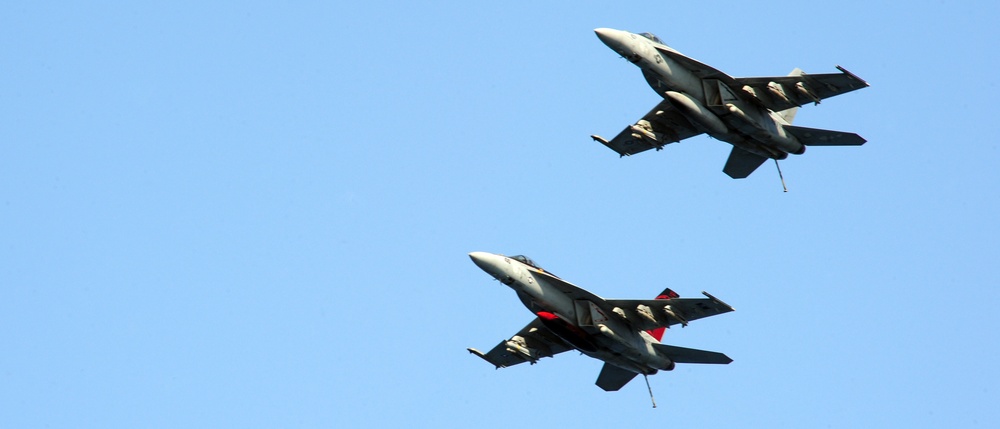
(624, 333)
(754, 114)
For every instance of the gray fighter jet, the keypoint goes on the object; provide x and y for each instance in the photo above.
(753, 114)
(624, 333)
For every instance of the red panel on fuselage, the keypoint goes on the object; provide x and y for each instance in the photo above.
(567, 331)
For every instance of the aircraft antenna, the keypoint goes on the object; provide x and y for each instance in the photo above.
(780, 176)
(650, 390)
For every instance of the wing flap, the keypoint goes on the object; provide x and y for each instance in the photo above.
(613, 378)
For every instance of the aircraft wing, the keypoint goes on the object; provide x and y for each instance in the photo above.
(786, 92)
(646, 314)
(531, 343)
(662, 312)
(661, 126)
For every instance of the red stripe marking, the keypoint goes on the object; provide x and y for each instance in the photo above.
(546, 315)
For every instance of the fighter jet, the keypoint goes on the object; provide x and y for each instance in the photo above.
(754, 114)
(624, 333)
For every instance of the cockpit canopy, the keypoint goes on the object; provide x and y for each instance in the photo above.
(527, 261)
(652, 37)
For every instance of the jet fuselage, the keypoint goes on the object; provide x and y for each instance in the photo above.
(726, 116)
(577, 321)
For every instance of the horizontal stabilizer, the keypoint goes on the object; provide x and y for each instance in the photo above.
(613, 378)
(818, 137)
(683, 355)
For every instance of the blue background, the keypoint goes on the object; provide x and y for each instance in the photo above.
(253, 215)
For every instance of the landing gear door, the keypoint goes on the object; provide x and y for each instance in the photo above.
(582, 308)
(711, 87)
(597, 314)
(589, 314)
(727, 94)
(717, 93)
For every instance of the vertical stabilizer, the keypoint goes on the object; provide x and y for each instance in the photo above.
(789, 114)
(666, 294)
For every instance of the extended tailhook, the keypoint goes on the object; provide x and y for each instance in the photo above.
(780, 176)
(650, 390)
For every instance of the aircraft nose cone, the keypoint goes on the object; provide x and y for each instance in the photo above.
(488, 262)
(615, 39)
(479, 258)
(604, 34)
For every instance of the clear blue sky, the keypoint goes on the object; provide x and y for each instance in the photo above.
(251, 215)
